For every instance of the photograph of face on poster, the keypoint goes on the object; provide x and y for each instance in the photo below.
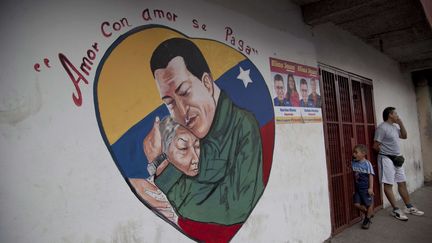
(295, 91)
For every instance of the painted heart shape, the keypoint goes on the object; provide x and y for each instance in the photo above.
(233, 157)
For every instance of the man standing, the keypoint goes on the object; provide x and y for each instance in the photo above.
(304, 102)
(279, 87)
(387, 144)
(314, 97)
(229, 182)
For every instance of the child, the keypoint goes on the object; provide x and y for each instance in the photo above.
(363, 173)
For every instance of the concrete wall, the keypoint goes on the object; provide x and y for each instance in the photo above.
(424, 107)
(58, 182)
(340, 49)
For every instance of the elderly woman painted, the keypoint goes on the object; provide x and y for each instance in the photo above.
(179, 147)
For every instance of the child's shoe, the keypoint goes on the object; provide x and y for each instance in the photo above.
(366, 223)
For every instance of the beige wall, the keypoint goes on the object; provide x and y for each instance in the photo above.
(424, 106)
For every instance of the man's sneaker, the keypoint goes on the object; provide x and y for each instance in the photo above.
(399, 215)
(366, 223)
(414, 211)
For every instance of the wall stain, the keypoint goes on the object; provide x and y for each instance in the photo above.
(255, 224)
(158, 235)
(127, 233)
(285, 213)
(19, 106)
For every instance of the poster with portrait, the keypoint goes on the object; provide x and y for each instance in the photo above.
(296, 92)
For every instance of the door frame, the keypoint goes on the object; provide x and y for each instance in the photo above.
(368, 137)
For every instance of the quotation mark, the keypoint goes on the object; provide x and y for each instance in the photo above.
(37, 66)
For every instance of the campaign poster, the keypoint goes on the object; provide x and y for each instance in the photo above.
(296, 92)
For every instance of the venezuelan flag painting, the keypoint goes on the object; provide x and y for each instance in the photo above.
(234, 158)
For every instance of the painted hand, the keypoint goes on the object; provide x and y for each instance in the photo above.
(150, 193)
(153, 196)
(152, 144)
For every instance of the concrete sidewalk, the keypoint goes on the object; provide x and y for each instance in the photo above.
(385, 228)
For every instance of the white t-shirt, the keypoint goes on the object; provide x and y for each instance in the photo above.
(388, 136)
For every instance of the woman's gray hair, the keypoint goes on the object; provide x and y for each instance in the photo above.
(167, 128)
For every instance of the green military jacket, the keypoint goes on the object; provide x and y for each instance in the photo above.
(229, 182)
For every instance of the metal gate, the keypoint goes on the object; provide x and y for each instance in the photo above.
(348, 114)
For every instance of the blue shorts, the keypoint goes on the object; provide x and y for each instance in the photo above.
(362, 197)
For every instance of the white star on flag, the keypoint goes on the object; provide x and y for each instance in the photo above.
(244, 76)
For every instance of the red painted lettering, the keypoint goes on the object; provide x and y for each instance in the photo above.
(146, 15)
(240, 45)
(95, 46)
(174, 17)
(195, 23)
(37, 67)
(91, 54)
(106, 34)
(75, 75)
(159, 13)
(228, 33)
(71, 70)
(116, 26)
(86, 65)
(124, 22)
(169, 16)
(46, 61)
(248, 50)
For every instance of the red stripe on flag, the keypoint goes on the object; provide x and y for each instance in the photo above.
(208, 232)
(267, 139)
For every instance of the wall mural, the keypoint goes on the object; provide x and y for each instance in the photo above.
(189, 123)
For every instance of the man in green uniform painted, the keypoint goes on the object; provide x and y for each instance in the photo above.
(229, 181)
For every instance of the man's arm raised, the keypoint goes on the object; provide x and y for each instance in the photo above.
(403, 133)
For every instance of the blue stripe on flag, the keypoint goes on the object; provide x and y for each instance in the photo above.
(254, 98)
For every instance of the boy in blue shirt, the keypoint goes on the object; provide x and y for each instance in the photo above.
(363, 173)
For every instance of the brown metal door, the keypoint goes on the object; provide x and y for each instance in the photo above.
(348, 114)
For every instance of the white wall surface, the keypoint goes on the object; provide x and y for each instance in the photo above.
(340, 49)
(58, 182)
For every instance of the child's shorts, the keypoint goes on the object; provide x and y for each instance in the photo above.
(362, 197)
